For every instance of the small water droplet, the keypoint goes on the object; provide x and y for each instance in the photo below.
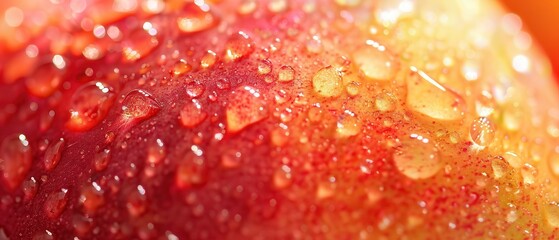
(53, 154)
(101, 159)
(417, 157)
(44, 81)
(286, 74)
(195, 18)
(513, 159)
(442, 103)
(279, 136)
(385, 102)
(231, 159)
(15, 160)
(89, 106)
(137, 201)
(315, 113)
(245, 107)
(314, 45)
(208, 59)
(282, 177)
(56, 203)
(264, 66)
(500, 167)
(191, 173)
(528, 173)
(348, 125)
(375, 62)
(192, 114)
(327, 82)
(482, 131)
(139, 105)
(181, 67)
(156, 152)
(138, 45)
(239, 45)
(30, 189)
(46, 119)
(551, 213)
(91, 198)
(194, 89)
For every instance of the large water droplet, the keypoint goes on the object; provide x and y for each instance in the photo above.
(139, 105)
(89, 106)
(56, 203)
(53, 154)
(441, 103)
(208, 59)
(195, 18)
(264, 66)
(482, 131)
(15, 160)
(417, 157)
(500, 167)
(551, 213)
(91, 198)
(138, 45)
(375, 62)
(246, 106)
(327, 82)
(238, 46)
(181, 67)
(192, 114)
(44, 80)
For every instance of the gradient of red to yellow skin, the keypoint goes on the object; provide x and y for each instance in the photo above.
(540, 18)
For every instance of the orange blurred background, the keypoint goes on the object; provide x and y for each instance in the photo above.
(540, 18)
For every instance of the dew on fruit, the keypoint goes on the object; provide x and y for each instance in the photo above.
(528, 173)
(156, 152)
(277, 6)
(286, 74)
(385, 102)
(29, 188)
(470, 70)
(53, 154)
(82, 224)
(375, 62)
(485, 104)
(513, 159)
(195, 90)
(314, 45)
(239, 45)
(551, 213)
(482, 131)
(43, 235)
(101, 159)
(208, 59)
(91, 198)
(282, 177)
(181, 67)
(500, 167)
(417, 157)
(348, 125)
(56, 203)
(15, 160)
(195, 18)
(264, 66)
(89, 105)
(138, 45)
(139, 105)
(191, 173)
(327, 82)
(442, 103)
(192, 114)
(44, 80)
(137, 201)
(245, 107)
(279, 136)
(231, 159)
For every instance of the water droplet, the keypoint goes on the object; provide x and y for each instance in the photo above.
(208, 59)
(91, 198)
(348, 125)
(238, 46)
(282, 177)
(327, 82)
(156, 152)
(101, 159)
(15, 160)
(89, 106)
(246, 106)
(30, 189)
(53, 154)
(195, 18)
(551, 213)
(191, 173)
(231, 159)
(286, 74)
(528, 173)
(375, 62)
(192, 114)
(137, 201)
(417, 157)
(385, 102)
(194, 89)
(139, 105)
(181, 67)
(442, 103)
(46, 119)
(315, 113)
(44, 81)
(325, 190)
(279, 136)
(314, 45)
(56, 203)
(482, 131)
(513, 159)
(138, 45)
(500, 167)
(264, 66)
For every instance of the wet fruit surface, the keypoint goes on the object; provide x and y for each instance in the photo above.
(389, 119)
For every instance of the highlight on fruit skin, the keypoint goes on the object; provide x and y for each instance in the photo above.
(279, 119)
